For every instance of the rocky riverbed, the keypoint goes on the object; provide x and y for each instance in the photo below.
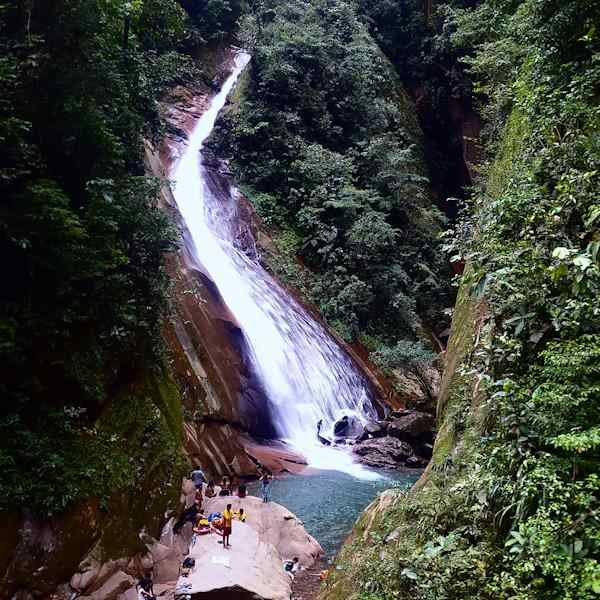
(403, 439)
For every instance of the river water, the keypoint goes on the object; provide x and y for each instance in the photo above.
(329, 502)
(306, 375)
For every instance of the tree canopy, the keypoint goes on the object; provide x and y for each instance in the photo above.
(328, 145)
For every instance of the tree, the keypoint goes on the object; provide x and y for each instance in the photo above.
(412, 357)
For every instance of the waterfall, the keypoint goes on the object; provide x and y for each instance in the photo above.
(306, 375)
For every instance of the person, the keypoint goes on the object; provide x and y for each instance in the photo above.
(227, 524)
(189, 515)
(145, 588)
(225, 487)
(201, 527)
(322, 439)
(210, 490)
(197, 476)
(242, 491)
(198, 498)
(291, 566)
(202, 524)
(240, 515)
(265, 486)
(187, 566)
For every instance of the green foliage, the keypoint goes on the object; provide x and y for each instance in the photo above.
(416, 36)
(509, 508)
(331, 148)
(81, 237)
(53, 457)
(410, 357)
(211, 19)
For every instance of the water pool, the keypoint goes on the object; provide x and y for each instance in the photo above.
(329, 502)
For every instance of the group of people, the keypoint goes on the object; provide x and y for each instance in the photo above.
(220, 523)
(215, 522)
(193, 513)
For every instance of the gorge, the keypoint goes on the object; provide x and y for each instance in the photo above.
(381, 231)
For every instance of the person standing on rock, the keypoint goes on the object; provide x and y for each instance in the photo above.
(198, 499)
(197, 476)
(265, 486)
(225, 487)
(210, 489)
(227, 525)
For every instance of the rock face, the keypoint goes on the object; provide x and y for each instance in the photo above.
(385, 452)
(250, 570)
(113, 587)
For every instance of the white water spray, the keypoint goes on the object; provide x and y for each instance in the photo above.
(306, 375)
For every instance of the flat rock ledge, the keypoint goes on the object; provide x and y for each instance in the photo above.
(252, 569)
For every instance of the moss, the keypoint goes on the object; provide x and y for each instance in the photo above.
(145, 462)
(167, 399)
(413, 518)
(516, 132)
(464, 321)
(238, 95)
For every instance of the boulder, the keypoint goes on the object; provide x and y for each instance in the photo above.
(75, 582)
(87, 576)
(385, 452)
(113, 587)
(160, 552)
(98, 578)
(251, 569)
(412, 426)
(168, 553)
(376, 428)
(274, 524)
(373, 429)
(347, 427)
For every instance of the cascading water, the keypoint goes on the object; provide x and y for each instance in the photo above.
(306, 375)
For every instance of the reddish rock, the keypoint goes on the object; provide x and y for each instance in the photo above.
(276, 457)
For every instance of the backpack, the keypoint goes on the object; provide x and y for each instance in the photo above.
(189, 563)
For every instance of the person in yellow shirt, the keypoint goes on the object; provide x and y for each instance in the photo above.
(240, 515)
(227, 522)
